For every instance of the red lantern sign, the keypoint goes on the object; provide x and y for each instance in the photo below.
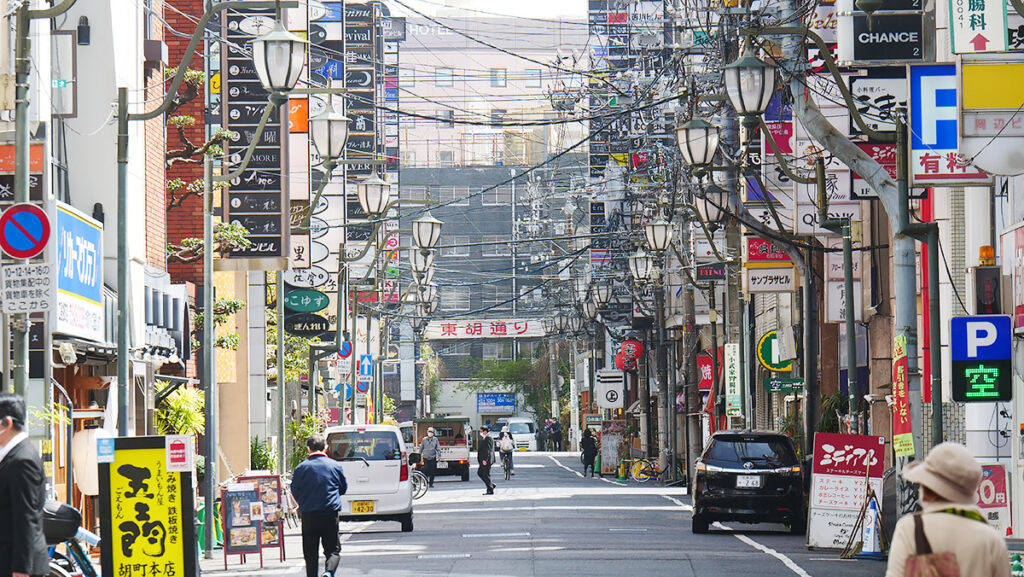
(632, 349)
(623, 363)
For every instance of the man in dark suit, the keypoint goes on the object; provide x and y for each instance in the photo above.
(485, 458)
(22, 494)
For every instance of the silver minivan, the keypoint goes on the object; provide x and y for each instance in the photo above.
(375, 461)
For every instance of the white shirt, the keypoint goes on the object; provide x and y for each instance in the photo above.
(14, 443)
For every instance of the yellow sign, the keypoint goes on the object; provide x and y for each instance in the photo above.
(145, 512)
(992, 86)
(215, 83)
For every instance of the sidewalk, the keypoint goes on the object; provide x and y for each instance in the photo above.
(272, 564)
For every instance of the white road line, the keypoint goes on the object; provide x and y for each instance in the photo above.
(789, 563)
(577, 473)
(542, 508)
(627, 530)
(521, 534)
(445, 556)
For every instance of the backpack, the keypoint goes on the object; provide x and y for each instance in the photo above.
(506, 444)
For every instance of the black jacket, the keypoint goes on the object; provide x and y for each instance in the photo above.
(22, 494)
(485, 451)
(589, 446)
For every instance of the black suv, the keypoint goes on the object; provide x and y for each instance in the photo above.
(751, 477)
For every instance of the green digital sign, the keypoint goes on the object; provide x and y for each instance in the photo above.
(982, 381)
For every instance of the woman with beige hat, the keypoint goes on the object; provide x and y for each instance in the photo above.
(951, 519)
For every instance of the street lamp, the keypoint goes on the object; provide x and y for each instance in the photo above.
(329, 131)
(427, 292)
(374, 194)
(713, 205)
(430, 306)
(549, 325)
(698, 142)
(750, 83)
(602, 293)
(589, 309)
(279, 57)
(640, 265)
(426, 231)
(575, 323)
(659, 235)
(421, 260)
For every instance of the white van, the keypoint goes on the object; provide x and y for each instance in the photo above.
(376, 467)
(524, 431)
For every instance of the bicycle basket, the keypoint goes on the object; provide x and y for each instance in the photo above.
(60, 522)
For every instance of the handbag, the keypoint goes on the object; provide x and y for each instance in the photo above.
(927, 563)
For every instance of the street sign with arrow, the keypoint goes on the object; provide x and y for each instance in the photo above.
(978, 26)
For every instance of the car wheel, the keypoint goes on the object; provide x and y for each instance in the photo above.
(798, 526)
(700, 525)
(465, 474)
(406, 521)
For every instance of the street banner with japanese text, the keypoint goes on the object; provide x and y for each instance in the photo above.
(146, 512)
(484, 329)
(902, 430)
(842, 466)
(993, 498)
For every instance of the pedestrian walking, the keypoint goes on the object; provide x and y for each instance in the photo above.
(485, 458)
(950, 532)
(589, 446)
(556, 435)
(23, 550)
(430, 450)
(542, 439)
(506, 444)
(317, 485)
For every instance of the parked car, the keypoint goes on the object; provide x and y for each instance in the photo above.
(751, 477)
(524, 431)
(376, 467)
(454, 436)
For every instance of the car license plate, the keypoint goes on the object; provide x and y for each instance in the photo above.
(748, 481)
(363, 506)
(442, 464)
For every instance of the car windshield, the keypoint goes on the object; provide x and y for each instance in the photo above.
(760, 452)
(369, 445)
(520, 428)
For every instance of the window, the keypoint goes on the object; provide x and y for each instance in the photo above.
(407, 77)
(363, 445)
(493, 296)
(498, 77)
(500, 195)
(499, 350)
(498, 116)
(444, 77)
(414, 192)
(446, 158)
(456, 195)
(498, 248)
(446, 117)
(454, 298)
(408, 158)
(456, 349)
(457, 248)
(532, 77)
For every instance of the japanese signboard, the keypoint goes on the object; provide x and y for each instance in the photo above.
(484, 329)
(242, 514)
(79, 249)
(835, 301)
(27, 288)
(705, 368)
(990, 97)
(495, 403)
(761, 252)
(608, 388)
(978, 26)
(902, 429)
(878, 99)
(733, 397)
(934, 127)
(889, 37)
(770, 280)
(843, 465)
(268, 493)
(770, 354)
(981, 349)
(146, 512)
(713, 271)
(994, 498)
(782, 385)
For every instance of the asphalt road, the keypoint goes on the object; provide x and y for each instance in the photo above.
(549, 521)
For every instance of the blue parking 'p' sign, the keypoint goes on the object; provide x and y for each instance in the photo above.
(981, 348)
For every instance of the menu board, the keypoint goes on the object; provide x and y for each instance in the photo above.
(254, 199)
(611, 438)
(268, 493)
(843, 465)
(241, 513)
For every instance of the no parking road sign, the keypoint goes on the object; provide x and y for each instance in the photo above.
(981, 348)
(24, 230)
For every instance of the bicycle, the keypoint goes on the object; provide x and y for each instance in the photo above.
(419, 483)
(61, 525)
(645, 469)
(506, 463)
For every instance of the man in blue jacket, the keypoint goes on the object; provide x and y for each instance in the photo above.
(317, 485)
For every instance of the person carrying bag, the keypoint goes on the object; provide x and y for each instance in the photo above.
(949, 537)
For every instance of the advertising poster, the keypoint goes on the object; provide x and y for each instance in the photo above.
(147, 512)
(902, 429)
(268, 504)
(611, 438)
(994, 498)
(241, 530)
(842, 466)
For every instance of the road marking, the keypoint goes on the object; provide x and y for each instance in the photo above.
(577, 473)
(615, 530)
(542, 508)
(470, 535)
(445, 556)
(789, 563)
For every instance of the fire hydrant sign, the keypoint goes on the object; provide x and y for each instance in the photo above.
(842, 466)
(27, 288)
(978, 26)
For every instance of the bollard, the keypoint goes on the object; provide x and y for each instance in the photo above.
(622, 470)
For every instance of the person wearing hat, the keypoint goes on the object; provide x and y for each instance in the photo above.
(952, 521)
(485, 458)
(430, 450)
(506, 444)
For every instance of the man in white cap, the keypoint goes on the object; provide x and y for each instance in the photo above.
(951, 519)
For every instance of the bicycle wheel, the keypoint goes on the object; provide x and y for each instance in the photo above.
(419, 484)
(642, 471)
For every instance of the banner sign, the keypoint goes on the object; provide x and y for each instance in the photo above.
(484, 329)
(842, 465)
(146, 512)
(902, 430)
(495, 403)
(733, 398)
(762, 252)
(79, 275)
(994, 498)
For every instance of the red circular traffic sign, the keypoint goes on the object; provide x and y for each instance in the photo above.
(24, 230)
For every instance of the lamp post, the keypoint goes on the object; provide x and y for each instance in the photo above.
(374, 194)
(659, 237)
(426, 231)
(698, 141)
(602, 293)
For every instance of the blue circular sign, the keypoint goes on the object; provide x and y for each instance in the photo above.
(348, 391)
(346, 350)
(24, 230)
(362, 386)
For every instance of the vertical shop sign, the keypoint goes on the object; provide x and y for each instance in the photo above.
(902, 430)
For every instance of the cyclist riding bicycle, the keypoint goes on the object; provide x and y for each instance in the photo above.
(506, 445)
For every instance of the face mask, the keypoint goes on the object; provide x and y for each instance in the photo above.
(483, 434)
(430, 433)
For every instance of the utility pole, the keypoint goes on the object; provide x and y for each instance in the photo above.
(23, 53)
(553, 376)
(282, 389)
